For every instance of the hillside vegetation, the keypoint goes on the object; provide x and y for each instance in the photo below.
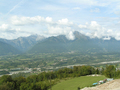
(45, 80)
(6, 49)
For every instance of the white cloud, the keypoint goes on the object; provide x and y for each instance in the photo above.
(4, 27)
(96, 30)
(8, 32)
(117, 35)
(78, 11)
(48, 19)
(64, 22)
(58, 30)
(106, 38)
(15, 20)
(42, 25)
(63, 26)
(70, 36)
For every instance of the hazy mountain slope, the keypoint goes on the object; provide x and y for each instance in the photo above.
(84, 43)
(6, 49)
(51, 45)
(60, 44)
(24, 43)
(81, 43)
(110, 45)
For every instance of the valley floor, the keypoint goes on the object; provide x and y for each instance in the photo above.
(112, 85)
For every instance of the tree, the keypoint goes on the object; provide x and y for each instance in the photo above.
(27, 86)
(4, 87)
(32, 79)
(5, 79)
(110, 71)
(18, 81)
(97, 71)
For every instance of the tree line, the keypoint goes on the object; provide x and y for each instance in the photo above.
(45, 80)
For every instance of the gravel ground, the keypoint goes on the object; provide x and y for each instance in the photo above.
(112, 85)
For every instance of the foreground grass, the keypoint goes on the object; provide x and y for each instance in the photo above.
(74, 83)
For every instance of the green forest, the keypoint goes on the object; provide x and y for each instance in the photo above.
(46, 80)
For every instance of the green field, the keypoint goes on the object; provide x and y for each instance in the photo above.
(73, 84)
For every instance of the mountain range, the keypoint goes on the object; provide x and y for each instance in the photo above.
(24, 43)
(58, 44)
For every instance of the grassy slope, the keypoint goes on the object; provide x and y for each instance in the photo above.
(73, 84)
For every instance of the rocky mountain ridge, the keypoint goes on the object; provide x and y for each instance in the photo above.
(59, 44)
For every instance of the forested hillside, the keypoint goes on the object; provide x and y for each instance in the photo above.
(45, 80)
(6, 49)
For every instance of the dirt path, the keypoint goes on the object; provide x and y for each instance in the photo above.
(112, 85)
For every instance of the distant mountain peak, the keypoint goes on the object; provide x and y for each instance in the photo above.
(37, 37)
(24, 43)
(79, 36)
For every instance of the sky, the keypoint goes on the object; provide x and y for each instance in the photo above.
(94, 18)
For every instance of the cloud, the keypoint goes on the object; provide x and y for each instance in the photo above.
(96, 30)
(64, 22)
(58, 30)
(6, 28)
(107, 38)
(70, 36)
(97, 10)
(69, 15)
(46, 25)
(63, 26)
(13, 35)
(3, 27)
(8, 32)
(15, 20)
(48, 19)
